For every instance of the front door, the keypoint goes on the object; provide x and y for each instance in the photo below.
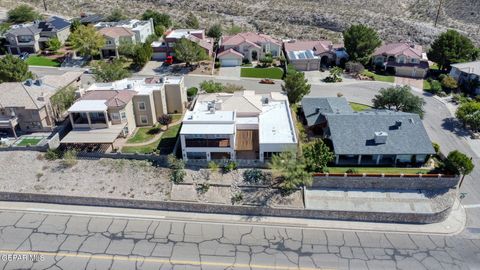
(254, 56)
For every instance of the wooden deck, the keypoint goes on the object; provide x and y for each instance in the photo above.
(247, 140)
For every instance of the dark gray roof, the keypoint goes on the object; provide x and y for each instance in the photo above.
(353, 133)
(315, 107)
(24, 30)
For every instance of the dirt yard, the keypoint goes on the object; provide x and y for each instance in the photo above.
(29, 172)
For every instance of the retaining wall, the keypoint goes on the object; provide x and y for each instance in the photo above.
(419, 218)
(381, 181)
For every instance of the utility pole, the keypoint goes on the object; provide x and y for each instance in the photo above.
(45, 5)
(438, 11)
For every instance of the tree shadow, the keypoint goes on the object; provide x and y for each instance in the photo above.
(454, 125)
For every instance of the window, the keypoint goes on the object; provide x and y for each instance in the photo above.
(24, 39)
(123, 115)
(171, 44)
(115, 116)
(143, 119)
(141, 106)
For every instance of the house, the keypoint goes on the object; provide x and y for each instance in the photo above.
(26, 107)
(402, 59)
(106, 111)
(166, 46)
(247, 46)
(33, 37)
(114, 37)
(115, 33)
(467, 75)
(308, 55)
(371, 137)
(238, 126)
(93, 18)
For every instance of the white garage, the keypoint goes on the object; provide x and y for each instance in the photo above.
(159, 56)
(230, 58)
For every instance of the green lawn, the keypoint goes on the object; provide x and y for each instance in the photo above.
(377, 77)
(29, 141)
(387, 170)
(176, 117)
(426, 85)
(359, 107)
(144, 134)
(35, 60)
(165, 144)
(271, 73)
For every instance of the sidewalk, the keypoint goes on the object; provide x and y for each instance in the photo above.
(454, 224)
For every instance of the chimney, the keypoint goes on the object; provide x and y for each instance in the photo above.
(41, 97)
(381, 137)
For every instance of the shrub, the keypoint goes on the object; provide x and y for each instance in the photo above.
(177, 166)
(237, 197)
(211, 86)
(165, 119)
(441, 77)
(254, 176)
(246, 61)
(230, 88)
(217, 65)
(435, 87)
(448, 82)
(192, 91)
(436, 147)
(213, 166)
(229, 166)
(53, 154)
(352, 171)
(177, 176)
(203, 187)
(70, 158)
(354, 68)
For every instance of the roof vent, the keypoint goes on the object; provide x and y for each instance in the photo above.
(411, 120)
(317, 110)
(398, 123)
(266, 100)
(129, 86)
(41, 97)
(39, 82)
(29, 82)
(381, 137)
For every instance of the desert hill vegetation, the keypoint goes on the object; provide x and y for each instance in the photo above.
(407, 20)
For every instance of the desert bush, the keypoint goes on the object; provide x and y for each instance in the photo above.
(70, 158)
(213, 166)
(177, 166)
(192, 91)
(229, 166)
(354, 68)
(203, 188)
(254, 176)
(53, 154)
(237, 197)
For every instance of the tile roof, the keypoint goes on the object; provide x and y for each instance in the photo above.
(407, 49)
(319, 46)
(230, 51)
(115, 32)
(204, 43)
(114, 98)
(19, 94)
(247, 36)
(353, 133)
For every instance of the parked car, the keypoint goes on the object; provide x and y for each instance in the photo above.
(267, 81)
(24, 56)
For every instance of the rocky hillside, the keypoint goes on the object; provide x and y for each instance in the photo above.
(395, 20)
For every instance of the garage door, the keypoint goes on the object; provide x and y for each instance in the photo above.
(229, 62)
(159, 56)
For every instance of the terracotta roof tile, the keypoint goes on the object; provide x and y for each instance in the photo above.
(116, 32)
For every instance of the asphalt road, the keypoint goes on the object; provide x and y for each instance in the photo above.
(87, 242)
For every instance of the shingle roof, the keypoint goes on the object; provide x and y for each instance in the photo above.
(353, 133)
(469, 67)
(315, 107)
(247, 36)
(24, 30)
(115, 32)
(407, 49)
(114, 98)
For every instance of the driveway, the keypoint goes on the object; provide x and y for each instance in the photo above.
(417, 83)
(151, 68)
(229, 72)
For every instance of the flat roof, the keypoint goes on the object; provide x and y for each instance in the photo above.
(247, 120)
(207, 129)
(179, 33)
(94, 136)
(276, 124)
(89, 106)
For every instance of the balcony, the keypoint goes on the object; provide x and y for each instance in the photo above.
(215, 143)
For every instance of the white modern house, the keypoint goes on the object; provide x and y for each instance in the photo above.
(239, 126)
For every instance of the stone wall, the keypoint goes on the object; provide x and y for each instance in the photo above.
(402, 182)
(419, 218)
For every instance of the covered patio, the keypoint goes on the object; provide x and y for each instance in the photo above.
(94, 136)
